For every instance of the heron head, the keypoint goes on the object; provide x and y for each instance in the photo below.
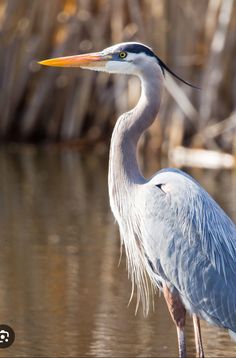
(127, 58)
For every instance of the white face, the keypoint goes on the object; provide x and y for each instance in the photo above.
(132, 63)
(126, 65)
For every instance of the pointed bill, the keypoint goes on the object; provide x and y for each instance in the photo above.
(88, 60)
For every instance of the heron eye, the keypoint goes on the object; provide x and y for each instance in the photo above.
(122, 54)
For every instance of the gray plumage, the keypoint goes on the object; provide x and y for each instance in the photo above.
(170, 220)
(173, 232)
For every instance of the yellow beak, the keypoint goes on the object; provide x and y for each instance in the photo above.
(87, 60)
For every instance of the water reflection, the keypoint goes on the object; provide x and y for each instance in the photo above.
(60, 286)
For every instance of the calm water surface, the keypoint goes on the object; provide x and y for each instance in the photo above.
(61, 289)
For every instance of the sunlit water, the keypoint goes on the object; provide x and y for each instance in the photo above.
(61, 289)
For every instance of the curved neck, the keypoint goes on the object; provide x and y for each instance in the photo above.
(124, 173)
(123, 165)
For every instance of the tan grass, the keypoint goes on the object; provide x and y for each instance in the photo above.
(195, 38)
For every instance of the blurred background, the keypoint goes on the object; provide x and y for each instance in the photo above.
(196, 39)
(61, 289)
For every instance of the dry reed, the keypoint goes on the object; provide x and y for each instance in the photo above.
(196, 39)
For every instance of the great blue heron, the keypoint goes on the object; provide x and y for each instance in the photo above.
(172, 230)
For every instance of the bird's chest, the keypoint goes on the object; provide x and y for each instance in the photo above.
(159, 232)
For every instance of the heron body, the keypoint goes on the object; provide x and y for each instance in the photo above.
(173, 232)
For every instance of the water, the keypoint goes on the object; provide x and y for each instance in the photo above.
(61, 289)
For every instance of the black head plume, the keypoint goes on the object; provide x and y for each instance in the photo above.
(136, 47)
(164, 68)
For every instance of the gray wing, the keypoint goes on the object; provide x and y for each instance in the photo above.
(191, 243)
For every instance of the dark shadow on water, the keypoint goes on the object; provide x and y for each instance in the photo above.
(60, 286)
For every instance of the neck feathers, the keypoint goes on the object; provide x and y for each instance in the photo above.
(125, 177)
(123, 166)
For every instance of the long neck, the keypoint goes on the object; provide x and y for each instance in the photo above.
(124, 172)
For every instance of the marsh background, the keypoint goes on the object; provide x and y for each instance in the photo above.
(61, 289)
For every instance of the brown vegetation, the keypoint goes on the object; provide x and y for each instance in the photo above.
(195, 38)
